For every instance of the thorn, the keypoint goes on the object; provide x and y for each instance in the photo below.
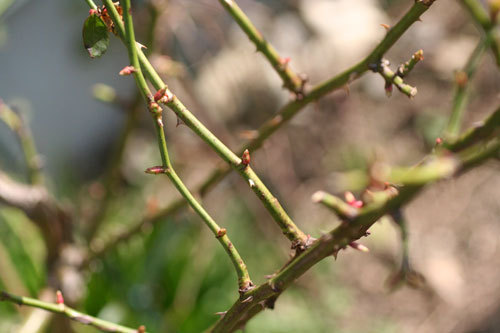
(248, 299)
(179, 122)
(159, 120)
(221, 233)
(388, 88)
(249, 134)
(386, 26)
(346, 89)
(251, 183)
(439, 141)
(59, 298)
(359, 247)
(127, 70)
(245, 158)
(335, 254)
(140, 45)
(156, 170)
(92, 12)
(141, 329)
(221, 314)
(270, 276)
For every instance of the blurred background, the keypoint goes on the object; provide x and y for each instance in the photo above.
(175, 277)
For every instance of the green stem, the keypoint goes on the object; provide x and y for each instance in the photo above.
(489, 127)
(392, 78)
(23, 133)
(290, 80)
(344, 211)
(481, 17)
(72, 314)
(91, 4)
(462, 81)
(280, 216)
(240, 267)
(264, 295)
(284, 115)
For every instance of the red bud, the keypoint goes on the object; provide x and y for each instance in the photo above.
(127, 70)
(59, 297)
(245, 158)
(156, 170)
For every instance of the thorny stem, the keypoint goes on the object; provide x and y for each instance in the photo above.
(462, 79)
(264, 295)
(490, 126)
(290, 80)
(244, 281)
(479, 14)
(23, 133)
(288, 227)
(111, 175)
(287, 112)
(72, 314)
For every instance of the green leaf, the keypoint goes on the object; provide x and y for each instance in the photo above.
(95, 36)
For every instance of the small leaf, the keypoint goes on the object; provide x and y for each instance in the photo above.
(95, 36)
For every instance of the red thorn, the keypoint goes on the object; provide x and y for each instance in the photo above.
(92, 12)
(285, 61)
(388, 88)
(245, 158)
(59, 297)
(156, 170)
(439, 141)
(386, 26)
(127, 70)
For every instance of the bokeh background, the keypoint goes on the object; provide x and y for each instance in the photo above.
(173, 278)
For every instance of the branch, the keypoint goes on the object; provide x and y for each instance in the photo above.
(23, 133)
(72, 314)
(244, 281)
(288, 227)
(483, 130)
(289, 111)
(480, 16)
(462, 79)
(42, 209)
(264, 295)
(393, 78)
(291, 81)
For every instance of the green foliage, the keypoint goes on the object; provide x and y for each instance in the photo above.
(95, 36)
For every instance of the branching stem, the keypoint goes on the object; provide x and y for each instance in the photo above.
(244, 281)
(72, 314)
(286, 113)
(291, 80)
